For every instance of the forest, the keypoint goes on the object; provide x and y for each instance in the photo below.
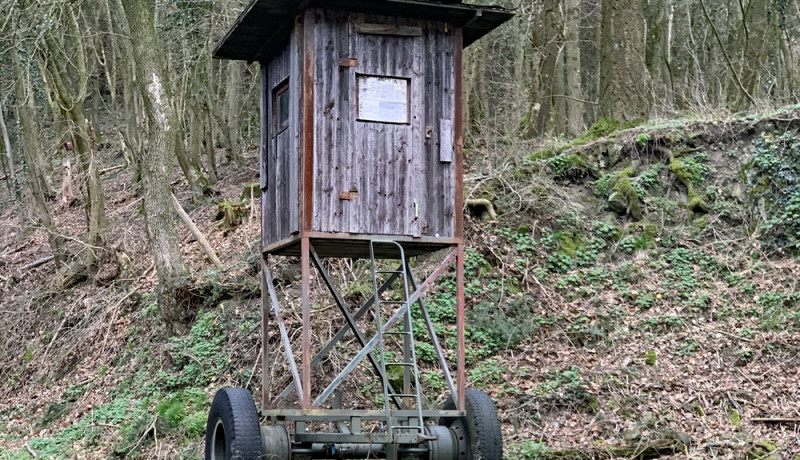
(632, 227)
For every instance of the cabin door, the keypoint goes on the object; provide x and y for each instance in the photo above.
(387, 138)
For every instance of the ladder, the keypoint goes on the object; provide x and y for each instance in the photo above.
(408, 362)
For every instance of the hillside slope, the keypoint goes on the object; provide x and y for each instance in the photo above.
(637, 295)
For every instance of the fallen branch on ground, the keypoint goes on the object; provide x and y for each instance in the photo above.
(776, 420)
(196, 232)
(643, 450)
(36, 263)
(113, 168)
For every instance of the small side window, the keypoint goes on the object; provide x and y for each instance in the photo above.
(280, 104)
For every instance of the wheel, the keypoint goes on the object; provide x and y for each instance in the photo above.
(480, 429)
(233, 431)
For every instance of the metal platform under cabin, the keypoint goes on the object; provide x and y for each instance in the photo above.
(350, 246)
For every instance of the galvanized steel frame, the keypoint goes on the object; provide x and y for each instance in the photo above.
(301, 377)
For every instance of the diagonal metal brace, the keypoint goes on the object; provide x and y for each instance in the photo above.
(432, 333)
(351, 322)
(287, 346)
(386, 326)
(339, 336)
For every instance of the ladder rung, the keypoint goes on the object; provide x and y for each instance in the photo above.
(401, 395)
(396, 333)
(389, 272)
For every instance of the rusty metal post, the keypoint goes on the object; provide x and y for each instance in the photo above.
(305, 261)
(460, 326)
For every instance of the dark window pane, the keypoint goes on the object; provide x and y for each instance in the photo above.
(283, 110)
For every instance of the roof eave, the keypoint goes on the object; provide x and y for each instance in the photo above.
(482, 18)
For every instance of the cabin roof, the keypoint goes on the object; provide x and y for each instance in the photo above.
(264, 24)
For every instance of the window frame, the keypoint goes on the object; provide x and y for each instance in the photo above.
(277, 92)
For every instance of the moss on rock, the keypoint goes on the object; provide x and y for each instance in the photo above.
(542, 154)
(623, 198)
(573, 166)
(677, 168)
(683, 151)
(695, 203)
(569, 243)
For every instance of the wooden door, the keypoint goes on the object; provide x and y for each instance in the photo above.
(384, 153)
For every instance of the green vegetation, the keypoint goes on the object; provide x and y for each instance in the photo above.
(574, 310)
(650, 357)
(776, 177)
(603, 127)
(691, 171)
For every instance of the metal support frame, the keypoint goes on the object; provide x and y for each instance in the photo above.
(301, 378)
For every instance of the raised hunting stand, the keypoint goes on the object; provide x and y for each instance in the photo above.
(361, 157)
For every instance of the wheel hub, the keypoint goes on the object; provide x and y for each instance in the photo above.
(219, 442)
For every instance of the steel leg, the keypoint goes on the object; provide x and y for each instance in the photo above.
(305, 291)
(460, 326)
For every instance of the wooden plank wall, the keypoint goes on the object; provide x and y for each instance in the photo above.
(403, 187)
(332, 131)
(281, 158)
(267, 232)
(440, 102)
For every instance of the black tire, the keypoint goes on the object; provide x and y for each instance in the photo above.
(233, 431)
(482, 426)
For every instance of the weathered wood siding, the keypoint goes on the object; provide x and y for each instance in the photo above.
(280, 150)
(396, 176)
(440, 179)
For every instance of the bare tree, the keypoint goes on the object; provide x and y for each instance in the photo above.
(62, 51)
(574, 87)
(34, 157)
(155, 157)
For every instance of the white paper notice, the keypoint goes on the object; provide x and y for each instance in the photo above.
(446, 141)
(383, 99)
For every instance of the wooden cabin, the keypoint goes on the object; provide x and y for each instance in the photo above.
(361, 132)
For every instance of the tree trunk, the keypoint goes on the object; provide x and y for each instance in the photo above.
(477, 101)
(26, 111)
(551, 40)
(624, 80)
(573, 68)
(156, 159)
(13, 181)
(67, 66)
(520, 38)
(558, 120)
(93, 191)
(208, 139)
(233, 94)
(37, 163)
(660, 17)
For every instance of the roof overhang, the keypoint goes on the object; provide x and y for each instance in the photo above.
(264, 25)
